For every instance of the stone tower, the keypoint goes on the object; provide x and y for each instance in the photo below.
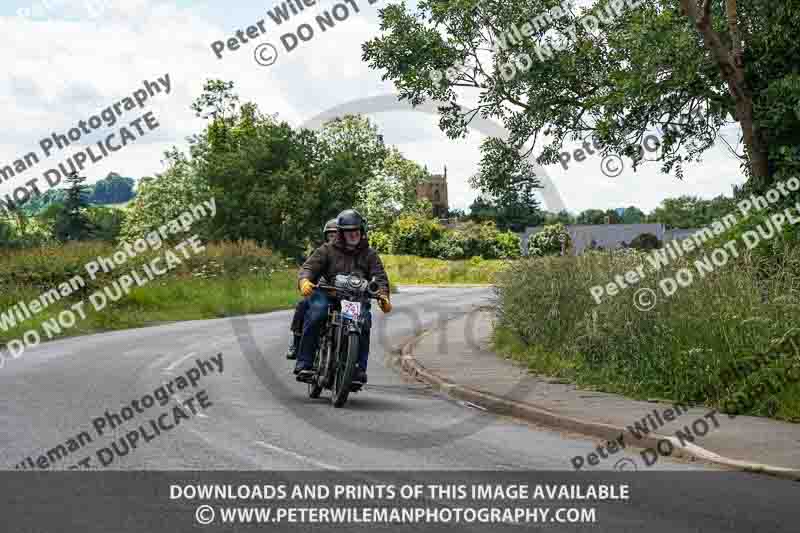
(435, 190)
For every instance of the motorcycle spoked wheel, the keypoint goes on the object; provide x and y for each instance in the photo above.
(345, 368)
(322, 364)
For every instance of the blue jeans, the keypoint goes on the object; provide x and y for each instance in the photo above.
(315, 314)
(299, 316)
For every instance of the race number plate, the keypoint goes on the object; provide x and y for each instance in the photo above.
(351, 310)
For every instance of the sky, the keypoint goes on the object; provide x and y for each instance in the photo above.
(66, 60)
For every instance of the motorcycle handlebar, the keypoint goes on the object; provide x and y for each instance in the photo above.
(373, 288)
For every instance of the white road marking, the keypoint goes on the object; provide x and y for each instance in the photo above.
(297, 456)
(179, 361)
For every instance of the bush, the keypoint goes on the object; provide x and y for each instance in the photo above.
(449, 246)
(477, 240)
(645, 241)
(414, 235)
(418, 235)
(381, 242)
(508, 245)
(549, 241)
(107, 222)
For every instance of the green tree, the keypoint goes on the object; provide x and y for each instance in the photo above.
(691, 211)
(391, 191)
(518, 208)
(562, 217)
(8, 236)
(666, 64)
(591, 217)
(38, 203)
(482, 209)
(107, 222)
(164, 197)
(72, 223)
(633, 215)
(682, 212)
(113, 189)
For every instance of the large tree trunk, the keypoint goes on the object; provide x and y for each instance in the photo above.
(731, 65)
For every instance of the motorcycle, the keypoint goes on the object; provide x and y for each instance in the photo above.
(337, 356)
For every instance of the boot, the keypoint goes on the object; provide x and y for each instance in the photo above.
(294, 345)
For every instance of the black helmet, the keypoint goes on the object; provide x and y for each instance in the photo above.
(348, 220)
(330, 226)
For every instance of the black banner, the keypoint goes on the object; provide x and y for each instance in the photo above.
(151, 502)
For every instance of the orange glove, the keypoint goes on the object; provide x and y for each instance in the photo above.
(384, 303)
(306, 287)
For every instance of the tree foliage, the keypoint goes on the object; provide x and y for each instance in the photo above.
(692, 212)
(551, 240)
(392, 190)
(513, 210)
(613, 77)
(72, 222)
(113, 189)
(278, 185)
(164, 197)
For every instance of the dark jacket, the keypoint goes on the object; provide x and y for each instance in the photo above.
(331, 259)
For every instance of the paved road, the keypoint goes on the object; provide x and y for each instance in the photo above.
(259, 418)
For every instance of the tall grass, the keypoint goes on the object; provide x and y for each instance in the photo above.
(225, 279)
(682, 349)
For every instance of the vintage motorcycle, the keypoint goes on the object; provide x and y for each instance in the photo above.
(337, 356)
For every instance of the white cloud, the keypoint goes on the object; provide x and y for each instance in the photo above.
(71, 64)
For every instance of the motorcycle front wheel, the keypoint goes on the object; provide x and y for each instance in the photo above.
(345, 368)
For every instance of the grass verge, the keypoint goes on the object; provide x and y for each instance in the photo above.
(413, 270)
(730, 339)
(226, 279)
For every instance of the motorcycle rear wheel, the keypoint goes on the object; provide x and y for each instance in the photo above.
(316, 384)
(344, 372)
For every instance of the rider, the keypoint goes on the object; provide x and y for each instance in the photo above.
(349, 253)
(328, 235)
